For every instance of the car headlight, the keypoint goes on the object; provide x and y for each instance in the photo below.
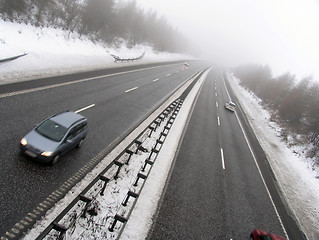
(23, 141)
(46, 153)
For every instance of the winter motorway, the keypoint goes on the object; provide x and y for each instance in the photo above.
(220, 185)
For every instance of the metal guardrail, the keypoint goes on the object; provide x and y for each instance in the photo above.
(119, 59)
(12, 58)
(84, 200)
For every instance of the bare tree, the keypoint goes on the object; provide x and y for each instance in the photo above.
(292, 109)
(10, 8)
(70, 13)
(97, 16)
(41, 10)
(106, 20)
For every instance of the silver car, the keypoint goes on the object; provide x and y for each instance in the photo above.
(230, 106)
(54, 137)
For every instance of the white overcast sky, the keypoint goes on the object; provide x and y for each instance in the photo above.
(281, 33)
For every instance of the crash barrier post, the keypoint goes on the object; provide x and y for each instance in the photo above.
(105, 180)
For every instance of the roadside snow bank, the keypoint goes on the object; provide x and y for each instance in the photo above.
(52, 52)
(296, 180)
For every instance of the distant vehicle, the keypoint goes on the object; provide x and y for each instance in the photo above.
(186, 64)
(54, 137)
(258, 234)
(230, 106)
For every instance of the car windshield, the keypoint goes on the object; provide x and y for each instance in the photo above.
(51, 130)
(232, 104)
(265, 238)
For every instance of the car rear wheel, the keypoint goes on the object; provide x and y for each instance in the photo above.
(56, 159)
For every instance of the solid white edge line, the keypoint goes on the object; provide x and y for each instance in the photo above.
(132, 89)
(255, 160)
(222, 156)
(82, 109)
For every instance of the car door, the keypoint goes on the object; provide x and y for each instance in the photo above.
(68, 142)
(78, 136)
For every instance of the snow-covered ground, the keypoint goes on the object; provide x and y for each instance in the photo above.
(50, 52)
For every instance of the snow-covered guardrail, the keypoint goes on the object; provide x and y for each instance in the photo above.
(119, 59)
(12, 58)
(102, 209)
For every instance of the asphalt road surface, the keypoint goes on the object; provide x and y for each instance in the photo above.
(114, 101)
(216, 190)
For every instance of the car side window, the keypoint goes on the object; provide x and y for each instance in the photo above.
(71, 134)
(76, 131)
(264, 237)
(80, 128)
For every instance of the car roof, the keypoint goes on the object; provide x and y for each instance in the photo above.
(67, 119)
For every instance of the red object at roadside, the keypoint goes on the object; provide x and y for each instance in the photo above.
(258, 234)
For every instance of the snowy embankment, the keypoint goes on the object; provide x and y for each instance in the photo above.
(52, 52)
(297, 181)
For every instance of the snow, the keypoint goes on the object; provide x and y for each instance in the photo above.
(105, 207)
(296, 179)
(53, 52)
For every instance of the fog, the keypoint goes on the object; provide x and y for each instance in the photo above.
(282, 34)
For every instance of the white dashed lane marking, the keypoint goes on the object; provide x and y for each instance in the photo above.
(82, 109)
(222, 156)
(132, 89)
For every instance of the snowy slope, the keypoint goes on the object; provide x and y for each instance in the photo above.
(53, 52)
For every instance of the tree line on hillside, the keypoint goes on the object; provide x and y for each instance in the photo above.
(110, 21)
(293, 103)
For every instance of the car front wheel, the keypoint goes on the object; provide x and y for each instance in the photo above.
(56, 159)
(80, 143)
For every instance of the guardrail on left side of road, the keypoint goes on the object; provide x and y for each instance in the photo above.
(12, 58)
(119, 59)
